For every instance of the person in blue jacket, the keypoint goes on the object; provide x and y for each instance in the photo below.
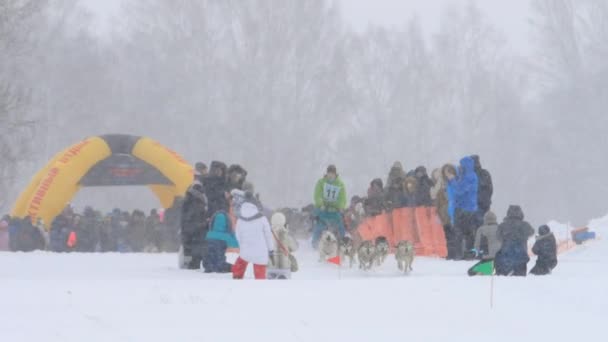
(453, 234)
(465, 196)
(218, 239)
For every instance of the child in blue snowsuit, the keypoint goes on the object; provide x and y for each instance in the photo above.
(219, 238)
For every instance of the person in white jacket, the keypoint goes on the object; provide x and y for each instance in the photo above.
(255, 242)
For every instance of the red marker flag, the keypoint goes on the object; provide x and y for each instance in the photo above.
(335, 260)
(72, 239)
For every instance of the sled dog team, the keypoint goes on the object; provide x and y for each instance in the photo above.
(370, 254)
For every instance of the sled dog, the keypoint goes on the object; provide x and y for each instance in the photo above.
(382, 250)
(366, 254)
(404, 254)
(328, 246)
(347, 250)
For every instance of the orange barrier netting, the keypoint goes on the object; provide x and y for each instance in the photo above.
(420, 226)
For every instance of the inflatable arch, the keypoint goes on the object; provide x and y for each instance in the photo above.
(107, 160)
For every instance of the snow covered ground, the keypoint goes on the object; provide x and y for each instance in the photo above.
(128, 297)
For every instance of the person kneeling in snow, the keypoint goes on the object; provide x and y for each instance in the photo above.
(545, 248)
(283, 262)
(218, 240)
(255, 241)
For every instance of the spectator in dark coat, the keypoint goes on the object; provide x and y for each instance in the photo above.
(172, 222)
(409, 197)
(29, 237)
(154, 239)
(485, 190)
(514, 232)
(465, 193)
(121, 228)
(394, 186)
(137, 231)
(236, 176)
(193, 225)
(88, 231)
(374, 204)
(423, 188)
(107, 237)
(14, 224)
(216, 189)
(545, 248)
(60, 231)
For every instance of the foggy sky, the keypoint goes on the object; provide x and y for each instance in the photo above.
(510, 16)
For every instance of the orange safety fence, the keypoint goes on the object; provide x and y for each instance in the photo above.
(420, 226)
(377, 226)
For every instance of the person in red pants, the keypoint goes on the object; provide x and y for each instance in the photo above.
(255, 241)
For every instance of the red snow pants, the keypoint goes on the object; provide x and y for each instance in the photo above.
(240, 266)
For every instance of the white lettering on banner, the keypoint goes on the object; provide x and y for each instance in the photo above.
(331, 192)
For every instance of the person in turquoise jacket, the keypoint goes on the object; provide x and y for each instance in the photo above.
(219, 238)
(330, 201)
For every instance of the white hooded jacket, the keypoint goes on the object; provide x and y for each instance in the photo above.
(254, 235)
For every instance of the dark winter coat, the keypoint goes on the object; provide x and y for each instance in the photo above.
(393, 194)
(194, 211)
(374, 203)
(423, 188)
(29, 238)
(409, 198)
(88, 233)
(59, 233)
(154, 232)
(137, 232)
(545, 248)
(233, 169)
(467, 186)
(395, 176)
(485, 189)
(514, 233)
(215, 190)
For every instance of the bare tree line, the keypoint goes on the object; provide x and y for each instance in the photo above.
(285, 87)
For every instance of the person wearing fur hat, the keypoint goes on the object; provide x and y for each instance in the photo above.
(236, 176)
(545, 248)
(330, 201)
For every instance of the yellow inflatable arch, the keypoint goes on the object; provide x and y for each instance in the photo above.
(107, 160)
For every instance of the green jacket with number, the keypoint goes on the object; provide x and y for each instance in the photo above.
(330, 195)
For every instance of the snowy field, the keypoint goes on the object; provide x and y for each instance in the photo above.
(128, 297)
